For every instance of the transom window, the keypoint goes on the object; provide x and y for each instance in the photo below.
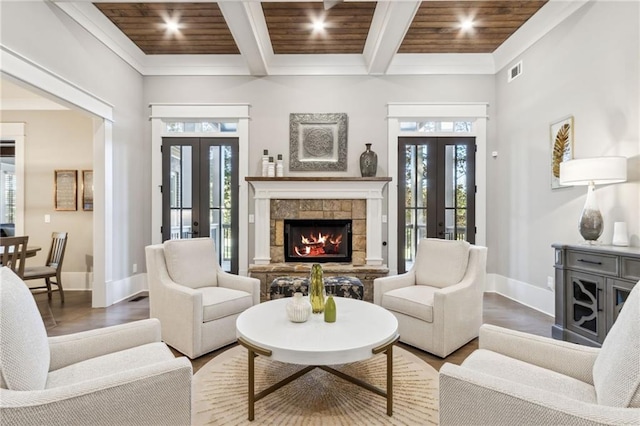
(200, 127)
(436, 126)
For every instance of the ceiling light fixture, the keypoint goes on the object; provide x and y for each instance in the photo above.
(318, 25)
(467, 25)
(172, 26)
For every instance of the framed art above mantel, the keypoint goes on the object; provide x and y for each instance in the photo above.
(318, 142)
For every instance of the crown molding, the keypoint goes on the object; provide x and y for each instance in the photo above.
(247, 24)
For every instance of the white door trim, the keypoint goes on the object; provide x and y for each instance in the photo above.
(416, 111)
(160, 114)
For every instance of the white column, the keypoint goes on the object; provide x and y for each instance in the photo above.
(374, 224)
(262, 228)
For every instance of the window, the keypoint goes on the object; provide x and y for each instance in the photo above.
(7, 183)
(200, 127)
(436, 126)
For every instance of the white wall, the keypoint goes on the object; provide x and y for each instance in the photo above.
(56, 140)
(586, 67)
(363, 98)
(42, 33)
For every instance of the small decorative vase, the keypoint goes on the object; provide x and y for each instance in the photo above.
(298, 309)
(316, 295)
(330, 310)
(368, 162)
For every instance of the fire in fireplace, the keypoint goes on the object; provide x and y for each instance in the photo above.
(317, 240)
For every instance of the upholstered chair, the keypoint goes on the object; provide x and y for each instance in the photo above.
(438, 302)
(194, 299)
(516, 378)
(121, 375)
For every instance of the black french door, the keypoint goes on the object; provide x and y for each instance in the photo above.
(200, 193)
(436, 192)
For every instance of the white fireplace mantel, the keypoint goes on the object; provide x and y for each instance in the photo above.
(305, 188)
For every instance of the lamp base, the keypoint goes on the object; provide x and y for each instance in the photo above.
(591, 223)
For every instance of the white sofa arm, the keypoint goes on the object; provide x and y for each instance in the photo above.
(566, 358)
(73, 348)
(385, 284)
(157, 394)
(468, 397)
(237, 282)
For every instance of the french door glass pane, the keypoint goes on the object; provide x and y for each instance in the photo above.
(415, 198)
(421, 172)
(180, 199)
(220, 200)
(455, 188)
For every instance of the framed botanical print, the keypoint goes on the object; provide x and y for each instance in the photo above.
(561, 147)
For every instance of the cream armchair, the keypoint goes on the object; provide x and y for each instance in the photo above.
(121, 375)
(194, 299)
(438, 302)
(516, 378)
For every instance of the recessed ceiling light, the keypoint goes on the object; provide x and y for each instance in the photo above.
(467, 24)
(172, 26)
(318, 25)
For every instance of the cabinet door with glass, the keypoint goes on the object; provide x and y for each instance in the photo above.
(436, 192)
(585, 305)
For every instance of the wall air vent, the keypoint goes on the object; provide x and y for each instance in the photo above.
(515, 71)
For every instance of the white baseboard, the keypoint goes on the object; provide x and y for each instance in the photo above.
(116, 291)
(123, 289)
(535, 297)
(71, 281)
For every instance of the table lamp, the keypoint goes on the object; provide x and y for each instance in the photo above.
(592, 171)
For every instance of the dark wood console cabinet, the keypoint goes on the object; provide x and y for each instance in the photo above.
(592, 284)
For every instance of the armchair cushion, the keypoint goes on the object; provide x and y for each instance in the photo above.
(548, 381)
(192, 262)
(415, 301)
(109, 365)
(616, 371)
(24, 350)
(220, 302)
(442, 262)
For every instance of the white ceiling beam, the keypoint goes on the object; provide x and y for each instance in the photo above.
(247, 24)
(94, 21)
(391, 21)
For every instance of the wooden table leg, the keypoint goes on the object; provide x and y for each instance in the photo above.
(251, 392)
(387, 348)
(390, 380)
(253, 351)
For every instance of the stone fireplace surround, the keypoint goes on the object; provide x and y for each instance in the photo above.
(359, 199)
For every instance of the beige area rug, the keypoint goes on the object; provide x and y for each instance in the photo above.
(318, 397)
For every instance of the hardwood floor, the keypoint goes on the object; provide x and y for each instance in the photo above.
(77, 315)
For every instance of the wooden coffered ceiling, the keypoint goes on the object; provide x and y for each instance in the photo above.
(201, 27)
(435, 28)
(253, 37)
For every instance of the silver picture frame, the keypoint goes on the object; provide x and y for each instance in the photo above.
(318, 142)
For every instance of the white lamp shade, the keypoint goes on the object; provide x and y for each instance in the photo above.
(599, 170)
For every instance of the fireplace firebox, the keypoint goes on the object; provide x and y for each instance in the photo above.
(317, 240)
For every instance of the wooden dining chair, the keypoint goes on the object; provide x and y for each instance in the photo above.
(52, 268)
(13, 252)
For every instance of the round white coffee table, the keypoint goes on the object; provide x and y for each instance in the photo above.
(361, 331)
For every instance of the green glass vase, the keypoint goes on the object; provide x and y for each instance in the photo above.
(316, 295)
(330, 310)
